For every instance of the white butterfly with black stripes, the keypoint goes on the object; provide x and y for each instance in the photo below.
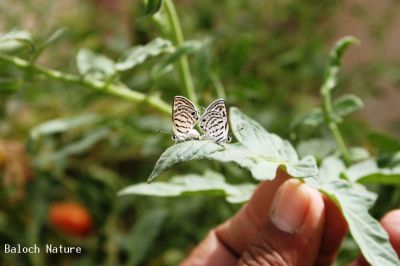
(184, 119)
(214, 122)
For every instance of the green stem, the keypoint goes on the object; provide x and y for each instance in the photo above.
(111, 246)
(218, 86)
(119, 90)
(329, 114)
(183, 64)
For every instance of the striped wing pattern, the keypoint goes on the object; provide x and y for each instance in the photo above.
(184, 118)
(214, 122)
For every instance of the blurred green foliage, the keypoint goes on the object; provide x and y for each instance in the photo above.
(60, 141)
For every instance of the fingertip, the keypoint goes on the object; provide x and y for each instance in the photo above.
(294, 204)
(391, 223)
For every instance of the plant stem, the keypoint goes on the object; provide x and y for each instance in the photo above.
(119, 90)
(326, 89)
(183, 64)
(218, 86)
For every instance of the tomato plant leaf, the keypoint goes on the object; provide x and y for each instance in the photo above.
(358, 154)
(336, 56)
(253, 136)
(139, 54)
(347, 104)
(62, 124)
(138, 241)
(152, 7)
(312, 118)
(94, 65)
(78, 147)
(9, 86)
(343, 106)
(340, 47)
(368, 172)
(354, 201)
(54, 37)
(258, 151)
(187, 47)
(384, 142)
(366, 231)
(181, 152)
(16, 39)
(209, 183)
(317, 147)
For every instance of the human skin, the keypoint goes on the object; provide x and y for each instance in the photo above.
(285, 222)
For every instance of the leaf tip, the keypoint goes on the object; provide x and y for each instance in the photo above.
(350, 40)
(121, 192)
(150, 178)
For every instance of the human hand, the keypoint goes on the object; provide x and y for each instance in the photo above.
(285, 223)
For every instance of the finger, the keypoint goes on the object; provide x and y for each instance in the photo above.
(335, 230)
(210, 252)
(391, 223)
(213, 250)
(241, 229)
(292, 233)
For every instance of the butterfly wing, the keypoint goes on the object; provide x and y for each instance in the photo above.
(214, 122)
(217, 106)
(184, 118)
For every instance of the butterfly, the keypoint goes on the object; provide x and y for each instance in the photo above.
(214, 122)
(184, 119)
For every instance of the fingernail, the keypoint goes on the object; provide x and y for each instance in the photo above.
(290, 206)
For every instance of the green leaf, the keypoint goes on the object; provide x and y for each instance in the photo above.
(343, 106)
(366, 231)
(52, 39)
(152, 6)
(331, 168)
(354, 202)
(395, 160)
(16, 39)
(319, 148)
(262, 152)
(384, 142)
(339, 48)
(257, 150)
(209, 183)
(139, 54)
(62, 125)
(94, 65)
(77, 147)
(8, 86)
(368, 172)
(358, 154)
(335, 61)
(347, 104)
(181, 152)
(139, 240)
(312, 118)
(165, 65)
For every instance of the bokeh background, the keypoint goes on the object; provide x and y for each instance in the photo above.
(270, 58)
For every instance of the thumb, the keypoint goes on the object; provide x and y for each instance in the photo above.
(292, 233)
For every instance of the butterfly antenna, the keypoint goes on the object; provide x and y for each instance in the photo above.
(165, 132)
